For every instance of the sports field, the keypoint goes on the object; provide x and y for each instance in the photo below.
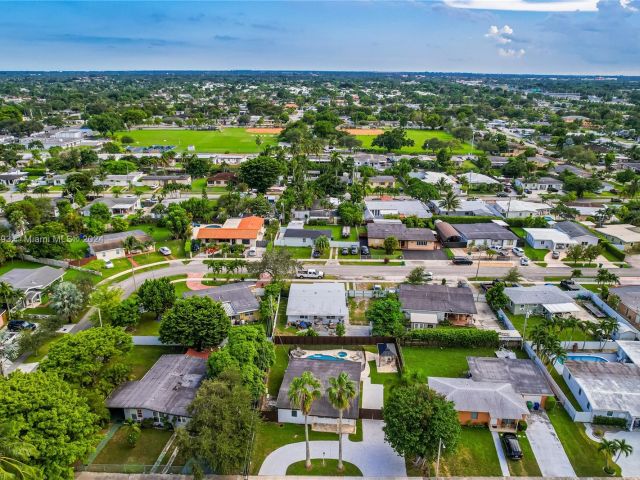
(229, 140)
(419, 136)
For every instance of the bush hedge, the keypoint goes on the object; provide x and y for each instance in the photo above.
(528, 222)
(613, 251)
(613, 421)
(452, 337)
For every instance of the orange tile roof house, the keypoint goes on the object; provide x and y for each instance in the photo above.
(245, 231)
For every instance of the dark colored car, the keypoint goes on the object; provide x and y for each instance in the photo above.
(315, 254)
(502, 194)
(528, 191)
(552, 189)
(511, 446)
(569, 285)
(344, 251)
(364, 250)
(462, 261)
(17, 325)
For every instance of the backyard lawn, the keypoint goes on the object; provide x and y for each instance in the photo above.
(118, 452)
(42, 351)
(159, 234)
(583, 452)
(336, 232)
(10, 265)
(389, 380)
(142, 357)
(76, 275)
(147, 326)
(199, 183)
(231, 140)
(534, 320)
(328, 467)
(418, 137)
(475, 456)
(276, 373)
(299, 252)
(565, 389)
(528, 466)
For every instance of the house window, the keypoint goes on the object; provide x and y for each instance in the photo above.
(579, 391)
(294, 413)
(588, 406)
(474, 415)
(609, 414)
(134, 416)
(569, 376)
(139, 413)
(422, 242)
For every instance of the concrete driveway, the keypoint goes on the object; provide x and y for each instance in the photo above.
(546, 446)
(373, 456)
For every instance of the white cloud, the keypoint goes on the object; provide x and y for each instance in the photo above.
(511, 52)
(500, 35)
(528, 5)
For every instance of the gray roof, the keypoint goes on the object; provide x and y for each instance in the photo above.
(400, 231)
(111, 202)
(168, 387)
(322, 370)
(436, 298)
(238, 295)
(322, 299)
(481, 231)
(304, 233)
(608, 385)
(629, 294)
(572, 229)
(109, 241)
(382, 178)
(548, 181)
(165, 177)
(537, 295)
(523, 375)
(28, 278)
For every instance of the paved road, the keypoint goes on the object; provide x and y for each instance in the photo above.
(373, 456)
(546, 446)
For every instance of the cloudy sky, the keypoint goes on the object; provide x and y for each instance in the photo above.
(496, 36)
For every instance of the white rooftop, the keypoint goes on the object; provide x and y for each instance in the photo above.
(322, 299)
(631, 350)
(478, 178)
(521, 206)
(551, 234)
(626, 233)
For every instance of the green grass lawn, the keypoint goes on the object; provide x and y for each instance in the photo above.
(159, 234)
(231, 140)
(534, 320)
(142, 357)
(442, 362)
(271, 436)
(181, 288)
(330, 468)
(43, 350)
(418, 137)
(147, 326)
(535, 254)
(528, 466)
(149, 258)
(475, 456)
(380, 253)
(199, 183)
(389, 380)
(299, 252)
(77, 275)
(119, 265)
(118, 452)
(276, 373)
(78, 249)
(583, 452)
(10, 265)
(519, 231)
(336, 232)
(281, 321)
(565, 389)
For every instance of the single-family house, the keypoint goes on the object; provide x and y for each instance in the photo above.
(124, 180)
(111, 245)
(238, 300)
(474, 178)
(455, 305)
(542, 183)
(222, 179)
(580, 172)
(466, 208)
(379, 209)
(236, 231)
(31, 282)
(629, 305)
(488, 234)
(607, 389)
(549, 238)
(622, 235)
(498, 161)
(163, 394)
(433, 177)
(323, 415)
(523, 375)
(319, 211)
(408, 238)
(539, 300)
(295, 235)
(628, 351)
(521, 209)
(382, 181)
(317, 304)
(117, 206)
(10, 179)
(494, 404)
(576, 232)
(164, 180)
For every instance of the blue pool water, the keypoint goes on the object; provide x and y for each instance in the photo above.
(342, 354)
(322, 356)
(585, 358)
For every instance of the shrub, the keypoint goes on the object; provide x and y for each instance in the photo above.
(613, 251)
(550, 403)
(522, 426)
(147, 423)
(612, 421)
(528, 222)
(453, 337)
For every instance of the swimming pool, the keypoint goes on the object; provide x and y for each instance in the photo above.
(585, 358)
(322, 356)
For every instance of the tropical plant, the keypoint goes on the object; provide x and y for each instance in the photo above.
(512, 276)
(450, 202)
(15, 455)
(623, 448)
(321, 244)
(341, 392)
(303, 392)
(133, 432)
(608, 448)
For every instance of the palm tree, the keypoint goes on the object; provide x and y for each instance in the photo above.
(589, 328)
(442, 185)
(341, 393)
(336, 163)
(117, 191)
(623, 447)
(609, 448)
(450, 202)
(303, 391)
(215, 267)
(570, 323)
(16, 454)
(130, 243)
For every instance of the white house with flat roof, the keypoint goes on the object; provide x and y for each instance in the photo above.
(402, 208)
(549, 238)
(317, 304)
(622, 235)
(539, 300)
(521, 208)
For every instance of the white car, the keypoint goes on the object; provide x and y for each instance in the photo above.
(165, 250)
(524, 261)
(517, 251)
(108, 264)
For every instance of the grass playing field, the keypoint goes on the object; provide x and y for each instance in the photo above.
(418, 137)
(229, 140)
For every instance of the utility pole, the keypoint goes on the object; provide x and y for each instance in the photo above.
(440, 447)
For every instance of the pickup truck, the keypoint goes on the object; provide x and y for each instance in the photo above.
(569, 285)
(311, 273)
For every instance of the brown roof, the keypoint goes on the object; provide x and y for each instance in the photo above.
(224, 176)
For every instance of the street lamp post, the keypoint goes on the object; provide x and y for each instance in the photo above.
(440, 447)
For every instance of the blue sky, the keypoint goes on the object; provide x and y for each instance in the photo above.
(495, 36)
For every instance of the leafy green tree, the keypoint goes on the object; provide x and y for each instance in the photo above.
(133, 432)
(416, 276)
(178, 221)
(106, 299)
(390, 244)
(575, 253)
(196, 167)
(261, 172)
(321, 244)
(386, 316)
(351, 214)
(105, 123)
(223, 421)
(512, 276)
(126, 313)
(341, 329)
(277, 263)
(16, 455)
(341, 393)
(496, 298)
(66, 300)
(48, 240)
(52, 417)
(393, 140)
(303, 392)
(157, 295)
(196, 322)
(417, 419)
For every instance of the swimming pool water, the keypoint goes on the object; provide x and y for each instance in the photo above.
(585, 358)
(322, 356)
(342, 354)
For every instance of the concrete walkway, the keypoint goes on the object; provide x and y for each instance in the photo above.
(373, 456)
(504, 465)
(546, 446)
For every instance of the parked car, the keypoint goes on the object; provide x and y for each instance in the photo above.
(311, 273)
(354, 250)
(518, 252)
(524, 261)
(552, 189)
(17, 325)
(315, 254)
(344, 251)
(570, 285)
(502, 194)
(511, 446)
(462, 261)
(165, 250)
(555, 255)
(252, 252)
(528, 191)
(108, 264)
(364, 250)
(427, 276)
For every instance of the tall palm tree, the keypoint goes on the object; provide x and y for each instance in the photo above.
(341, 393)
(15, 455)
(303, 391)
(215, 267)
(450, 202)
(609, 448)
(336, 163)
(623, 447)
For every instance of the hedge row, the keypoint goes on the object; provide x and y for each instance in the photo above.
(613, 251)
(527, 222)
(463, 219)
(452, 337)
(613, 421)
